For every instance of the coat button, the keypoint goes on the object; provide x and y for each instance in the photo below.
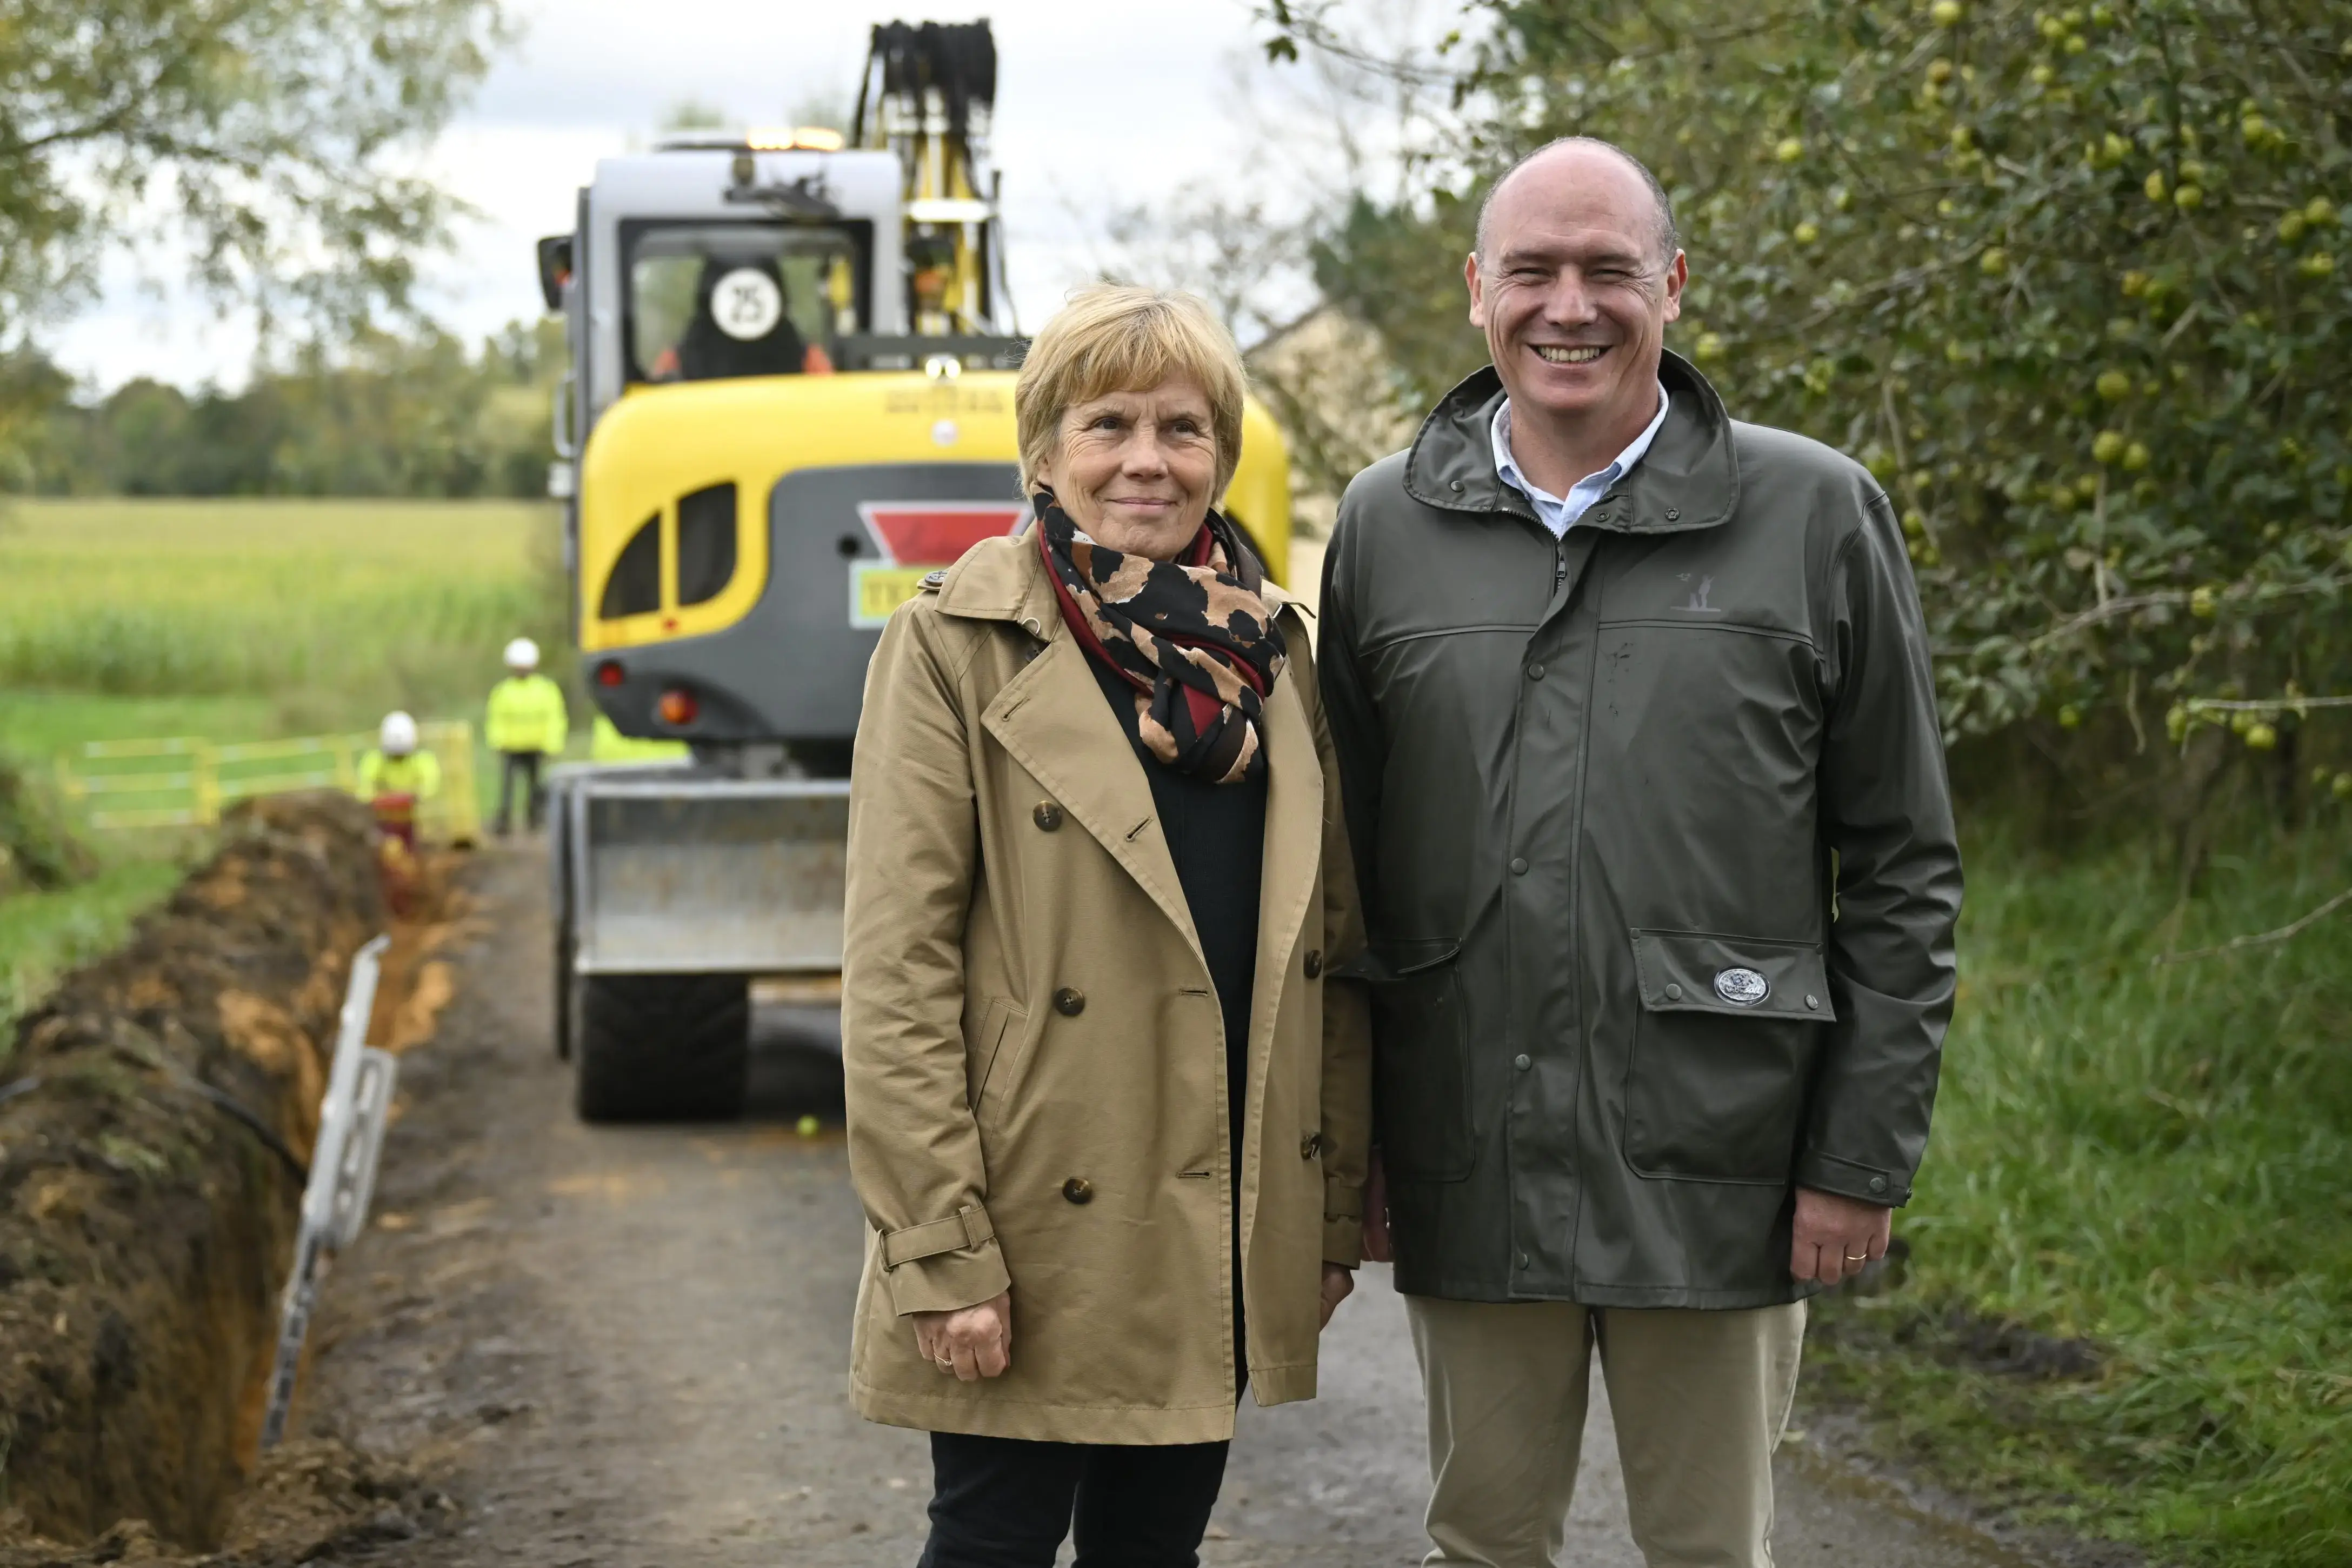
(1673, 993)
(1078, 1190)
(1814, 1003)
(1523, 1061)
(1877, 1184)
(1673, 515)
(1519, 866)
(1047, 815)
(1069, 1002)
(1535, 671)
(1314, 962)
(1312, 1146)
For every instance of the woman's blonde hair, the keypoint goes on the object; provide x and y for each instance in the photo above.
(1117, 337)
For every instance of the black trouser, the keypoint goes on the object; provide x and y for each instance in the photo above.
(999, 1503)
(526, 764)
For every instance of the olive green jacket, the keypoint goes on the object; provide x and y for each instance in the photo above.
(1597, 788)
(1035, 1051)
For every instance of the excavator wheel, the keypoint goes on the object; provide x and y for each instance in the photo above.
(661, 1048)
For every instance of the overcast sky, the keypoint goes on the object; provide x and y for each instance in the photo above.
(1095, 102)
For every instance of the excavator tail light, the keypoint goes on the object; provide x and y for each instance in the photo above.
(677, 707)
(609, 674)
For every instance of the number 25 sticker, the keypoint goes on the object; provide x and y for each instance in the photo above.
(746, 304)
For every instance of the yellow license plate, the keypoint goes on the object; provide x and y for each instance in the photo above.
(876, 590)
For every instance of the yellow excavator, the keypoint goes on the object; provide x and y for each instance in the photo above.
(791, 397)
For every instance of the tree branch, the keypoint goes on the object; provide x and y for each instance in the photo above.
(2283, 934)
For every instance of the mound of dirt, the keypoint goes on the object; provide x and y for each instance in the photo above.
(153, 1116)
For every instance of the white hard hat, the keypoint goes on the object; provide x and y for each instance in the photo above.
(522, 654)
(398, 736)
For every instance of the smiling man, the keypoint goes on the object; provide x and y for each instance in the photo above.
(1637, 729)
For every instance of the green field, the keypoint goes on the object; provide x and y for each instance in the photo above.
(329, 612)
(235, 621)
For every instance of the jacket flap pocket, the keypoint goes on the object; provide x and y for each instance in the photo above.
(1700, 971)
(1388, 961)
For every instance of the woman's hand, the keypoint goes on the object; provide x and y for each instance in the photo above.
(974, 1342)
(1339, 1282)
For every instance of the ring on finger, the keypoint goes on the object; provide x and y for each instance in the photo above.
(1852, 1258)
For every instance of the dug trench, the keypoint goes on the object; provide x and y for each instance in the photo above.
(625, 1347)
(155, 1118)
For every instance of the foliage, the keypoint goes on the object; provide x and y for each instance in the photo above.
(392, 416)
(335, 611)
(39, 849)
(2132, 1155)
(265, 137)
(2066, 279)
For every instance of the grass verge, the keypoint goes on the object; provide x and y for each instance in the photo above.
(2148, 1168)
(43, 935)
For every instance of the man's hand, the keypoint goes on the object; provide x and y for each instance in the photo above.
(1836, 1235)
(1376, 1212)
(972, 1343)
(1339, 1283)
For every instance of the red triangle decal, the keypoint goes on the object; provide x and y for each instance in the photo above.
(936, 533)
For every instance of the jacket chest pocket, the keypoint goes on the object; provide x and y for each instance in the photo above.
(1421, 1063)
(1723, 1049)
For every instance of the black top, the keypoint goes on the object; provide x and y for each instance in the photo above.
(1216, 835)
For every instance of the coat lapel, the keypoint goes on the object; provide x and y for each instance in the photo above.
(1051, 719)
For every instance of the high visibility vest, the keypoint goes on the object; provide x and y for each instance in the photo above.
(417, 774)
(526, 714)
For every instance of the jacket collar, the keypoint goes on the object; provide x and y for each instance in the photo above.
(1688, 479)
(1004, 579)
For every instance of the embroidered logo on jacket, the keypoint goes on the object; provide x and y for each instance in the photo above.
(1697, 604)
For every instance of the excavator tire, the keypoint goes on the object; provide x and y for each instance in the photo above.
(661, 1048)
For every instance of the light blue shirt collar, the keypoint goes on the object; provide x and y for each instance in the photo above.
(1559, 512)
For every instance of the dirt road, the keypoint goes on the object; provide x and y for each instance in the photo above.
(627, 1347)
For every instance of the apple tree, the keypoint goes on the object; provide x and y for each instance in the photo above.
(2073, 280)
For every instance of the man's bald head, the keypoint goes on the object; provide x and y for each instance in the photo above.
(1669, 240)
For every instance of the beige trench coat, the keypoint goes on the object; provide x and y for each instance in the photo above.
(1036, 1055)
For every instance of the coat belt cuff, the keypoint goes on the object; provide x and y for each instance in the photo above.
(965, 1227)
(1343, 1242)
(1342, 1200)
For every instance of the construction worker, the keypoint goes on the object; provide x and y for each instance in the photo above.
(396, 777)
(526, 724)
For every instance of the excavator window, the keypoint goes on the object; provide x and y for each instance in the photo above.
(635, 587)
(706, 543)
(713, 301)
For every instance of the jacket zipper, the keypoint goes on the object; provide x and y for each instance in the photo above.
(1558, 562)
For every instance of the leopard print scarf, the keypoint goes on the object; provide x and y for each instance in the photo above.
(1195, 637)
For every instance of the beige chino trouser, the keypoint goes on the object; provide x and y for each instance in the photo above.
(1700, 1399)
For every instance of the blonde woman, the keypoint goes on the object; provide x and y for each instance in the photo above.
(1107, 1111)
